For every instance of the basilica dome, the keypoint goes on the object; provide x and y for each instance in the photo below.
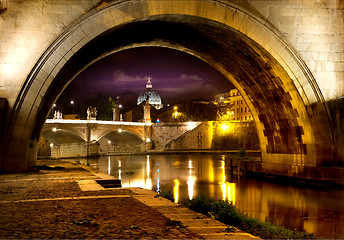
(152, 96)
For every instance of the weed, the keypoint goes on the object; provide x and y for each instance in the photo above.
(227, 213)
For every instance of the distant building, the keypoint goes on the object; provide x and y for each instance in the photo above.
(231, 106)
(152, 96)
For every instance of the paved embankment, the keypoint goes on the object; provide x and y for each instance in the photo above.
(68, 203)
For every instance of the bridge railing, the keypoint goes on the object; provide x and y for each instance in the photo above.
(97, 122)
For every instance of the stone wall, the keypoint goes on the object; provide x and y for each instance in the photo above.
(125, 148)
(3, 113)
(163, 133)
(218, 136)
(337, 112)
(72, 150)
(315, 28)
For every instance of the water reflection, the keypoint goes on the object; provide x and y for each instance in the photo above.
(318, 211)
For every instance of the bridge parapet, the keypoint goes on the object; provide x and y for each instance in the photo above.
(94, 130)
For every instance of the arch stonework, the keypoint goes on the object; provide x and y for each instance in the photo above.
(77, 129)
(286, 101)
(93, 131)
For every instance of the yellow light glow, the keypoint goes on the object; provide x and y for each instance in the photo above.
(120, 130)
(54, 129)
(148, 167)
(109, 166)
(224, 127)
(191, 125)
(176, 190)
(231, 192)
(191, 183)
(175, 108)
(149, 183)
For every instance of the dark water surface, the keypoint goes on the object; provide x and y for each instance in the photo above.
(315, 210)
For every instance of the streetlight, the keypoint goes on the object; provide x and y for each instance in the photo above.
(52, 111)
(72, 102)
(120, 112)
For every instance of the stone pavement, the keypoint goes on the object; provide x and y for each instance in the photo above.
(67, 202)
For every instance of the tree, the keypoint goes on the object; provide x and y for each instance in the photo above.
(104, 108)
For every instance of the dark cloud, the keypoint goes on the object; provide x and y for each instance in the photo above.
(176, 76)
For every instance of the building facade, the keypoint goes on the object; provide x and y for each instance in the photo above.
(232, 107)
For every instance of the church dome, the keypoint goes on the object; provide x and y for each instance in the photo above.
(152, 96)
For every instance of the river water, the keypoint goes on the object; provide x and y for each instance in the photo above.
(316, 210)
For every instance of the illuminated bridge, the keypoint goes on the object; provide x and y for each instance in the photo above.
(286, 58)
(94, 130)
(73, 138)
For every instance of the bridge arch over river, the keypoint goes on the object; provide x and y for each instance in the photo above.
(286, 73)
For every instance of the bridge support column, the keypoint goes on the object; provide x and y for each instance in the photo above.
(92, 145)
(147, 143)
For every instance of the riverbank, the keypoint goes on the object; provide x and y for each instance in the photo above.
(62, 200)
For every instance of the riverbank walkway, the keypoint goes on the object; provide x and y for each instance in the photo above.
(63, 200)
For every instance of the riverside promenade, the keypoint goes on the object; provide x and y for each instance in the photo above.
(62, 200)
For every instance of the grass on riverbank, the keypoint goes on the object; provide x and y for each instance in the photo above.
(227, 213)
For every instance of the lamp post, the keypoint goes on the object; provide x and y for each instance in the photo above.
(120, 112)
(72, 102)
(52, 111)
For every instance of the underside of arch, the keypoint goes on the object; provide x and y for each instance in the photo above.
(288, 133)
(61, 136)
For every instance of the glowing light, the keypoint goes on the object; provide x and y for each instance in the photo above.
(148, 179)
(120, 130)
(109, 166)
(158, 185)
(191, 125)
(109, 142)
(119, 174)
(231, 192)
(191, 183)
(148, 140)
(54, 129)
(176, 190)
(51, 145)
(148, 166)
(224, 127)
(148, 184)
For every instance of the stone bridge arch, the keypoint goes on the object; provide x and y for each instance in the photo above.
(138, 132)
(77, 129)
(233, 38)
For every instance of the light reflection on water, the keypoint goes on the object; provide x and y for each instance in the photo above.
(318, 211)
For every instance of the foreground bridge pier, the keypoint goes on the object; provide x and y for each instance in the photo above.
(286, 58)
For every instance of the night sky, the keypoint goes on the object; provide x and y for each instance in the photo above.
(176, 76)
